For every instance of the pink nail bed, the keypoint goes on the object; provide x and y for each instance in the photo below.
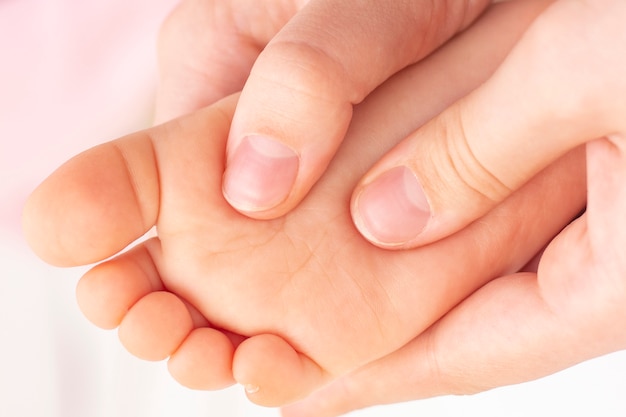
(260, 174)
(393, 208)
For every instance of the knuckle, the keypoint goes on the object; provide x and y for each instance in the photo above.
(303, 69)
(463, 169)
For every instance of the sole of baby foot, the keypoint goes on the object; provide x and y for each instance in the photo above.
(273, 373)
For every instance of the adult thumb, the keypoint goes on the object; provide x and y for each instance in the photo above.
(297, 103)
(558, 88)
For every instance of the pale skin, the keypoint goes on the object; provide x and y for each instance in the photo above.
(291, 303)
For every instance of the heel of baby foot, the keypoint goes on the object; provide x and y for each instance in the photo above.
(273, 373)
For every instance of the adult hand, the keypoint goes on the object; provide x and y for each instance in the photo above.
(562, 86)
(312, 62)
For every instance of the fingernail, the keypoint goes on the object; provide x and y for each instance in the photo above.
(260, 174)
(392, 209)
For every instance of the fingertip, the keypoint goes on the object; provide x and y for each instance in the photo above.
(203, 361)
(155, 326)
(273, 373)
(428, 187)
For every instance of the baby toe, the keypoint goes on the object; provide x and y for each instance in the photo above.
(155, 326)
(273, 372)
(203, 361)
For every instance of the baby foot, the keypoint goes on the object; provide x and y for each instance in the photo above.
(281, 306)
(313, 299)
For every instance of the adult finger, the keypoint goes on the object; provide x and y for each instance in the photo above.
(206, 49)
(562, 85)
(297, 103)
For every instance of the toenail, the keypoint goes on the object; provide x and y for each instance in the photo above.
(251, 388)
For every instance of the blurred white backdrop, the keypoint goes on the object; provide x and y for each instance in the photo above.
(75, 73)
